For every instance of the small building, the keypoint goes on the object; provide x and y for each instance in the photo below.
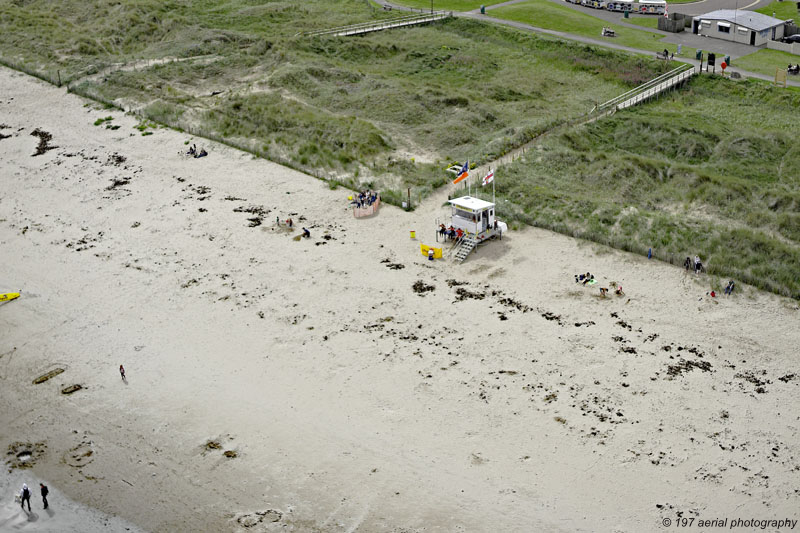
(476, 219)
(472, 215)
(739, 26)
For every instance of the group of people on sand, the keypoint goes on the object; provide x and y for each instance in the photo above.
(451, 233)
(365, 198)
(290, 224)
(588, 279)
(25, 496)
(194, 153)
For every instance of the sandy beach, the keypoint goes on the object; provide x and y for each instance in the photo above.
(283, 384)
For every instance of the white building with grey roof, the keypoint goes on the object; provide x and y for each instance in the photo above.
(740, 26)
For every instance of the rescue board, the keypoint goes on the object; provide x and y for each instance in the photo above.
(9, 296)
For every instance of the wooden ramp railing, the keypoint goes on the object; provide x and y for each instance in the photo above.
(368, 27)
(647, 90)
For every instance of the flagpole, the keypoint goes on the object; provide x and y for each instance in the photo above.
(495, 207)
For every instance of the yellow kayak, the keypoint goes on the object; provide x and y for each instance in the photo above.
(9, 296)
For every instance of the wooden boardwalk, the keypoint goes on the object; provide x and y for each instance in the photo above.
(369, 27)
(648, 90)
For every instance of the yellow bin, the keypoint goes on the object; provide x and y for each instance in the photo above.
(413, 234)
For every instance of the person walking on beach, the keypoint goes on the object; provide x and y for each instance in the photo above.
(25, 495)
(122, 372)
(45, 492)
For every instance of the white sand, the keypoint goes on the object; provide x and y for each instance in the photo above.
(62, 514)
(354, 403)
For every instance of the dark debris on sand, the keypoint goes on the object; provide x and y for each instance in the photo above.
(420, 287)
(464, 294)
(44, 141)
(685, 365)
(393, 266)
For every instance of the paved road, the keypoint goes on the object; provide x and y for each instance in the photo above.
(687, 39)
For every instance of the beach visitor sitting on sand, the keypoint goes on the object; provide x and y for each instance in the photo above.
(729, 288)
(306, 233)
(587, 278)
(603, 291)
(618, 291)
(201, 153)
(192, 150)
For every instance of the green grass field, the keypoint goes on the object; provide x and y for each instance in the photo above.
(783, 10)
(766, 61)
(712, 170)
(551, 16)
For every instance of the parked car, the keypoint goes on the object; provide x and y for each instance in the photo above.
(792, 38)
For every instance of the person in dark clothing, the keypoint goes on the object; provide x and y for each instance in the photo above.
(25, 495)
(306, 233)
(122, 372)
(687, 264)
(45, 492)
(729, 288)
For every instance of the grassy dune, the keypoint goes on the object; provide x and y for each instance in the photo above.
(713, 170)
(389, 108)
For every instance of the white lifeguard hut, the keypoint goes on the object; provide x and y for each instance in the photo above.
(476, 219)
